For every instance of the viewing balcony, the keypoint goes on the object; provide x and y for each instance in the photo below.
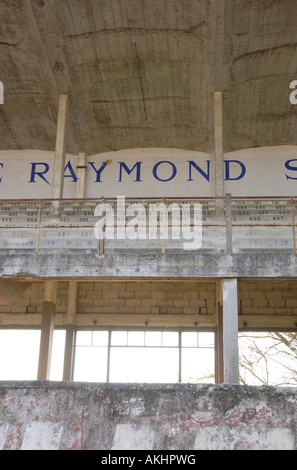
(179, 231)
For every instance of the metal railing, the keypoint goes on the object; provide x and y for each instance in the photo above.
(227, 224)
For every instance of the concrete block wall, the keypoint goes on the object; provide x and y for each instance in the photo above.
(143, 297)
(29, 303)
(65, 416)
(256, 298)
(274, 297)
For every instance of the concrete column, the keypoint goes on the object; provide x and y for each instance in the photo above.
(228, 224)
(219, 335)
(230, 331)
(218, 146)
(47, 330)
(60, 152)
(70, 330)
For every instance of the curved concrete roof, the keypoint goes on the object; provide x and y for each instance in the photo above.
(141, 73)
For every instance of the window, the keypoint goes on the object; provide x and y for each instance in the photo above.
(144, 356)
(268, 357)
(19, 354)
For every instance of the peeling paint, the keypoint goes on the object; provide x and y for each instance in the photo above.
(79, 416)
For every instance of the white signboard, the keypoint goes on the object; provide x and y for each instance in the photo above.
(267, 171)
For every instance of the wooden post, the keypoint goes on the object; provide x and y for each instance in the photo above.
(47, 330)
(60, 152)
(70, 330)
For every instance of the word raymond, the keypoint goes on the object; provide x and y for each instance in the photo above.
(235, 170)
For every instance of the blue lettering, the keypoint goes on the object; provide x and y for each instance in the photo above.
(1, 164)
(34, 172)
(174, 171)
(227, 169)
(72, 174)
(205, 175)
(291, 168)
(98, 172)
(128, 171)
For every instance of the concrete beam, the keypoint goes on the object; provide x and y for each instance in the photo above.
(80, 264)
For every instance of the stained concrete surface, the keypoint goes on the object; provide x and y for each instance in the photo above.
(83, 416)
(204, 264)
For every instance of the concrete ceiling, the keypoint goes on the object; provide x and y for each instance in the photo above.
(141, 73)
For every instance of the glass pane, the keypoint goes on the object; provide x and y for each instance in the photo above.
(153, 338)
(84, 338)
(19, 350)
(170, 338)
(268, 358)
(136, 338)
(119, 338)
(57, 362)
(206, 340)
(189, 340)
(157, 365)
(100, 338)
(198, 365)
(90, 364)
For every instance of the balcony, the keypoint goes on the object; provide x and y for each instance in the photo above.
(210, 236)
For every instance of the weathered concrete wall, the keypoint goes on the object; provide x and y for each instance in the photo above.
(83, 264)
(45, 415)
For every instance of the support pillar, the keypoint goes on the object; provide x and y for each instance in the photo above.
(60, 152)
(230, 331)
(218, 151)
(219, 335)
(47, 330)
(81, 176)
(70, 331)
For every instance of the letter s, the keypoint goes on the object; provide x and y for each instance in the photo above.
(291, 168)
